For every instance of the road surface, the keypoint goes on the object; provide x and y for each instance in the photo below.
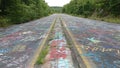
(99, 41)
(19, 42)
(59, 54)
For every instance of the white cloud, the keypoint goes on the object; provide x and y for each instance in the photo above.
(57, 2)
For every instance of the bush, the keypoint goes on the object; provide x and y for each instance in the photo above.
(4, 22)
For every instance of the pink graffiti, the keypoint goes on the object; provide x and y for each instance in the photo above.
(58, 53)
(13, 36)
(98, 31)
(55, 42)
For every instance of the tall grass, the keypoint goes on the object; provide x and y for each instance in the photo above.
(42, 55)
(109, 19)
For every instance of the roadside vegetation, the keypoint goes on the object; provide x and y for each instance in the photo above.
(20, 11)
(105, 10)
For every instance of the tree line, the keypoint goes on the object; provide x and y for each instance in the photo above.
(56, 9)
(99, 8)
(19, 11)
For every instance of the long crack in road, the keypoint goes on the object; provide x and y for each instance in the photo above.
(100, 41)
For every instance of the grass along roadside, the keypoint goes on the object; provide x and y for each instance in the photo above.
(108, 19)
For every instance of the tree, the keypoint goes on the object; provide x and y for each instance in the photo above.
(19, 11)
(89, 7)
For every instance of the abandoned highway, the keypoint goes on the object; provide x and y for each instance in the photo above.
(60, 41)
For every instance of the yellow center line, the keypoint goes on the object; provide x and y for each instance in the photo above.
(38, 51)
(85, 59)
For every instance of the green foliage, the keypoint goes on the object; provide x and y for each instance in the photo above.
(4, 22)
(19, 11)
(86, 8)
(79, 7)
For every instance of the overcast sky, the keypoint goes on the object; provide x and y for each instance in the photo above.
(57, 2)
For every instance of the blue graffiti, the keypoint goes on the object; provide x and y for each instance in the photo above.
(88, 54)
(97, 59)
(4, 50)
(93, 56)
(106, 64)
(93, 40)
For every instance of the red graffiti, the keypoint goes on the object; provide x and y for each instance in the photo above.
(56, 42)
(58, 53)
